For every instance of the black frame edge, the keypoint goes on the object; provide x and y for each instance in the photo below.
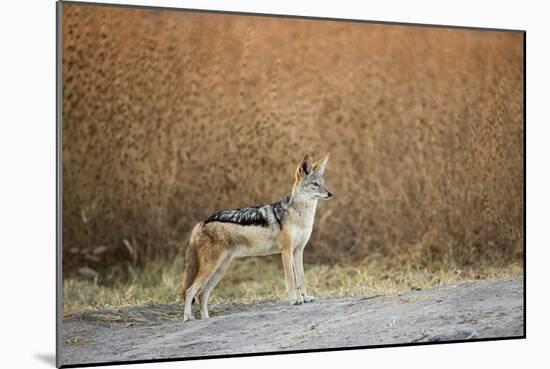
(58, 184)
(525, 184)
(333, 349)
(290, 16)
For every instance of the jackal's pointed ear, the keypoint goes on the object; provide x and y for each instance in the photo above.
(321, 164)
(304, 168)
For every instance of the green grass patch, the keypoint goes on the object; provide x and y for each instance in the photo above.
(257, 279)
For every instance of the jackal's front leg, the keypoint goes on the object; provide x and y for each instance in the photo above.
(289, 277)
(299, 270)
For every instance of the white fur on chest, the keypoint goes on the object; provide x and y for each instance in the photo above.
(299, 235)
(300, 225)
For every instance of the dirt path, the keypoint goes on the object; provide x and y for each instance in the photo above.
(461, 312)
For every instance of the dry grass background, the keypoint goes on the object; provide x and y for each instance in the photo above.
(170, 116)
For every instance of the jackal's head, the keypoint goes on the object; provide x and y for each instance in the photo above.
(310, 183)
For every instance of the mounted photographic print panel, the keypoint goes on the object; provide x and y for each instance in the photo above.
(241, 184)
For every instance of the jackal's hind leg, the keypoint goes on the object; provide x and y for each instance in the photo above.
(212, 282)
(198, 283)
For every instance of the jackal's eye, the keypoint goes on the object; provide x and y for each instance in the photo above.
(315, 184)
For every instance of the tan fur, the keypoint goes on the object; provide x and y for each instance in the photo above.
(190, 265)
(212, 247)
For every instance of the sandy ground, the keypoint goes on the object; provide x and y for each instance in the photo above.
(457, 312)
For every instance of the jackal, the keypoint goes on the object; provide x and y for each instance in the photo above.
(282, 227)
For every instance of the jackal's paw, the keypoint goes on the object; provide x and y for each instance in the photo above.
(309, 298)
(296, 302)
(188, 317)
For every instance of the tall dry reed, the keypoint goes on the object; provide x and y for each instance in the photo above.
(169, 117)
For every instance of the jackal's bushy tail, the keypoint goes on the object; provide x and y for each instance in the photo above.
(190, 262)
